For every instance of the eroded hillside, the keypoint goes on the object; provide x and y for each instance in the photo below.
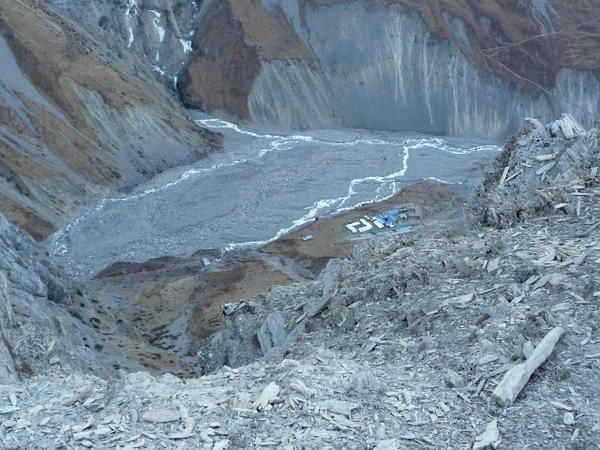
(76, 122)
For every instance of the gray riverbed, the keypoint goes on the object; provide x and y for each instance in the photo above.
(260, 186)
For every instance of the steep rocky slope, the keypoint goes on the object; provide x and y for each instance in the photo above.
(48, 321)
(400, 346)
(468, 68)
(157, 32)
(76, 121)
(232, 41)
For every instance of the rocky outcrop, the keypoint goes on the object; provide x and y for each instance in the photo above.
(437, 66)
(48, 321)
(540, 169)
(78, 122)
(35, 330)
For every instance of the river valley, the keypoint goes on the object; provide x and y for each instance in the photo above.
(262, 185)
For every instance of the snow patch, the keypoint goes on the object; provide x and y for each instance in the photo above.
(158, 69)
(130, 13)
(187, 46)
(157, 25)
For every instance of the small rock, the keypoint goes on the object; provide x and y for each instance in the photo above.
(486, 359)
(272, 335)
(77, 396)
(569, 127)
(569, 418)
(54, 360)
(161, 416)
(45, 421)
(460, 301)
(83, 426)
(454, 380)
(528, 349)
(493, 265)
(300, 387)
(221, 445)
(490, 438)
(8, 409)
(389, 444)
(267, 397)
(83, 435)
(339, 406)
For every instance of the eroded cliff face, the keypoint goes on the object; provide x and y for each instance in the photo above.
(157, 32)
(75, 122)
(440, 66)
(231, 40)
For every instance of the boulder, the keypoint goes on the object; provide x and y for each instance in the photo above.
(272, 336)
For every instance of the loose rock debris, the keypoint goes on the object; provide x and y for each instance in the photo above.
(408, 351)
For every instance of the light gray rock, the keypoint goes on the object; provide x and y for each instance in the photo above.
(331, 276)
(517, 377)
(540, 164)
(488, 439)
(454, 380)
(568, 127)
(7, 368)
(36, 331)
(272, 335)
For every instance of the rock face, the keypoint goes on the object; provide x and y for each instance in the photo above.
(231, 40)
(158, 32)
(78, 121)
(48, 321)
(35, 330)
(437, 66)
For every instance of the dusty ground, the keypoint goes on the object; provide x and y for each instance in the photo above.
(442, 205)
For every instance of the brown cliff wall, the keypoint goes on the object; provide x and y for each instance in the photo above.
(231, 40)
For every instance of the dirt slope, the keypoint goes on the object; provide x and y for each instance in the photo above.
(76, 122)
(230, 40)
